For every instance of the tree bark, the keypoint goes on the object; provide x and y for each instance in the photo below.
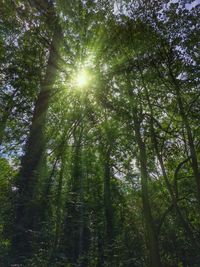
(164, 173)
(107, 199)
(194, 161)
(6, 114)
(75, 232)
(26, 217)
(150, 228)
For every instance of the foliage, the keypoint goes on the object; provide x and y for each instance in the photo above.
(103, 173)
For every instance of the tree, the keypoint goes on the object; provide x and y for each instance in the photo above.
(99, 133)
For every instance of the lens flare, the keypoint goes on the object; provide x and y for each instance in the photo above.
(82, 78)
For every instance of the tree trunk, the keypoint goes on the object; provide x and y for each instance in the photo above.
(6, 114)
(164, 173)
(108, 209)
(57, 236)
(75, 236)
(25, 208)
(150, 228)
(194, 161)
(107, 199)
(170, 190)
(3, 123)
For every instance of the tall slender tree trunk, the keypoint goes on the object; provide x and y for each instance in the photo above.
(58, 214)
(26, 217)
(152, 240)
(81, 218)
(78, 191)
(75, 238)
(108, 209)
(100, 262)
(194, 161)
(107, 199)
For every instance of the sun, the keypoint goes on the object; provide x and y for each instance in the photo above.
(82, 78)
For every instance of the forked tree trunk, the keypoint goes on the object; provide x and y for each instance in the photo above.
(172, 194)
(194, 161)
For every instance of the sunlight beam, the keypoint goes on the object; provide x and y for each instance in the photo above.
(82, 78)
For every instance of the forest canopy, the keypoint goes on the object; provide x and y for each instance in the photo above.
(99, 133)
